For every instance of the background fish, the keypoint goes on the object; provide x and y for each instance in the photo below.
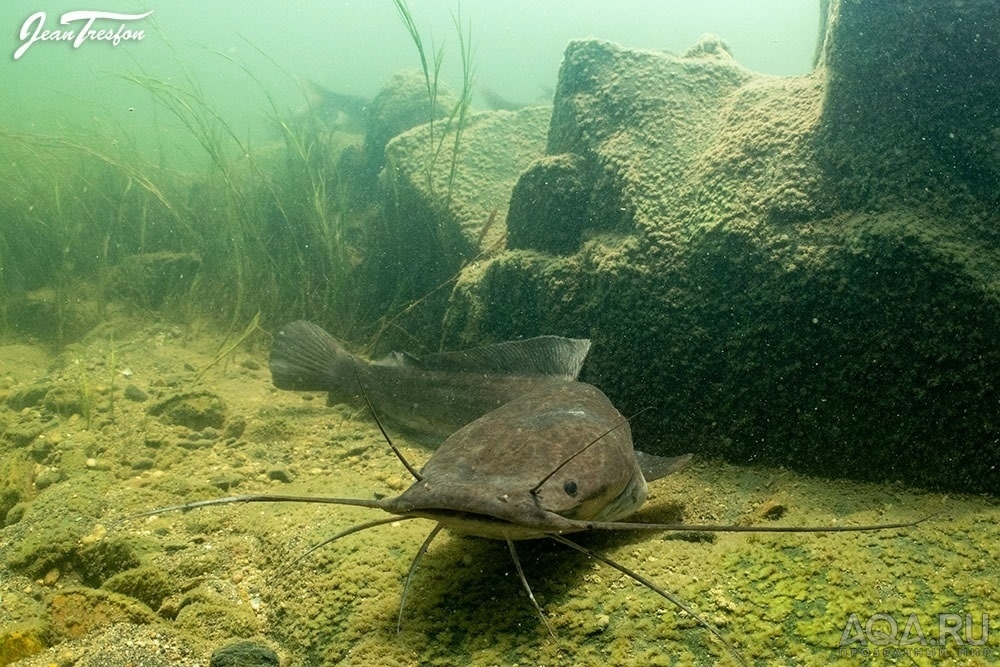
(335, 110)
(431, 396)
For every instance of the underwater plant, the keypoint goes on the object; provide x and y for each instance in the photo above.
(73, 206)
(457, 117)
(272, 230)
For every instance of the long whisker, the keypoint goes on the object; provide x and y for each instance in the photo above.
(395, 450)
(413, 568)
(653, 587)
(260, 498)
(344, 533)
(527, 588)
(708, 528)
(590, 444)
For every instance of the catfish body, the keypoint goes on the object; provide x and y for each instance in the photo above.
(542, 463)
(433, 396)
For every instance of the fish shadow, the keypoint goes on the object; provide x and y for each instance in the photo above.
(470, 585)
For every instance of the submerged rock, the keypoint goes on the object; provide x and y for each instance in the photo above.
(194, 410)
(77, 611)
(788, 270)
(244, 654)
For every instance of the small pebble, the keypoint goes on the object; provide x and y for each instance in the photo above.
(133, 393)
(771, 510)
(95, 535)
(244, 654)
(281, 474)
(91, 463)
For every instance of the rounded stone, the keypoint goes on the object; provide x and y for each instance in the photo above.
(244, 654)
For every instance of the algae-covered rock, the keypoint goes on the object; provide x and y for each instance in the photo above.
(17, 471)
(68, 398)
(217, 621)
(75, 612)
(105, 558)
(195, 410)
(20, 642)
(788, 270)
(23, 628)
(462, 192)
(402, 103)
(566, 184)
(146, 583)
(49, 545)
(910, 108)
(28, 396)
(244, 654)
(152, 279)
(24, 429)
(449, 206)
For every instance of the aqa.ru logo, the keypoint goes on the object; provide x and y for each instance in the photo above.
(33, 30)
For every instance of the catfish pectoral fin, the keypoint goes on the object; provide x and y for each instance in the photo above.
(654, 467)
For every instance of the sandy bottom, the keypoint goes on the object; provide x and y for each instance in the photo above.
(82, 585)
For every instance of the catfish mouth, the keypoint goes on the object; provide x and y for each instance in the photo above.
(477, 524)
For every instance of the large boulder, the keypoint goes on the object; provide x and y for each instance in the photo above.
(444, 197)
(801, 271)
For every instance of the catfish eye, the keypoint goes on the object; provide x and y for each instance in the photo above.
(570, 488)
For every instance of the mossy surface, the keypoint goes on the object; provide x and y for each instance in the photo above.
(784, 291)
(752, 271)
(208, 577)
(18, 643)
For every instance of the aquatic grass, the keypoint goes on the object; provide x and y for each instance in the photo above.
(69, 207)
(412, 285)
(461, 110)
(113, 376)
(87, 399)
(310, 207)
(431, 76)
(457, 118)
(228, 201)
(275, 232)
(226, 348)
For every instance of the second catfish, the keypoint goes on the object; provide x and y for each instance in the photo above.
(431, 396)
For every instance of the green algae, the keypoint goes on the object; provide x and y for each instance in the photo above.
(49, 546)
(217, 573)
(75, 612)
(16, 476)
(147, 583)
(18, 643)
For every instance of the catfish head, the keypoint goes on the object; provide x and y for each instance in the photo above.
(549, 461)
